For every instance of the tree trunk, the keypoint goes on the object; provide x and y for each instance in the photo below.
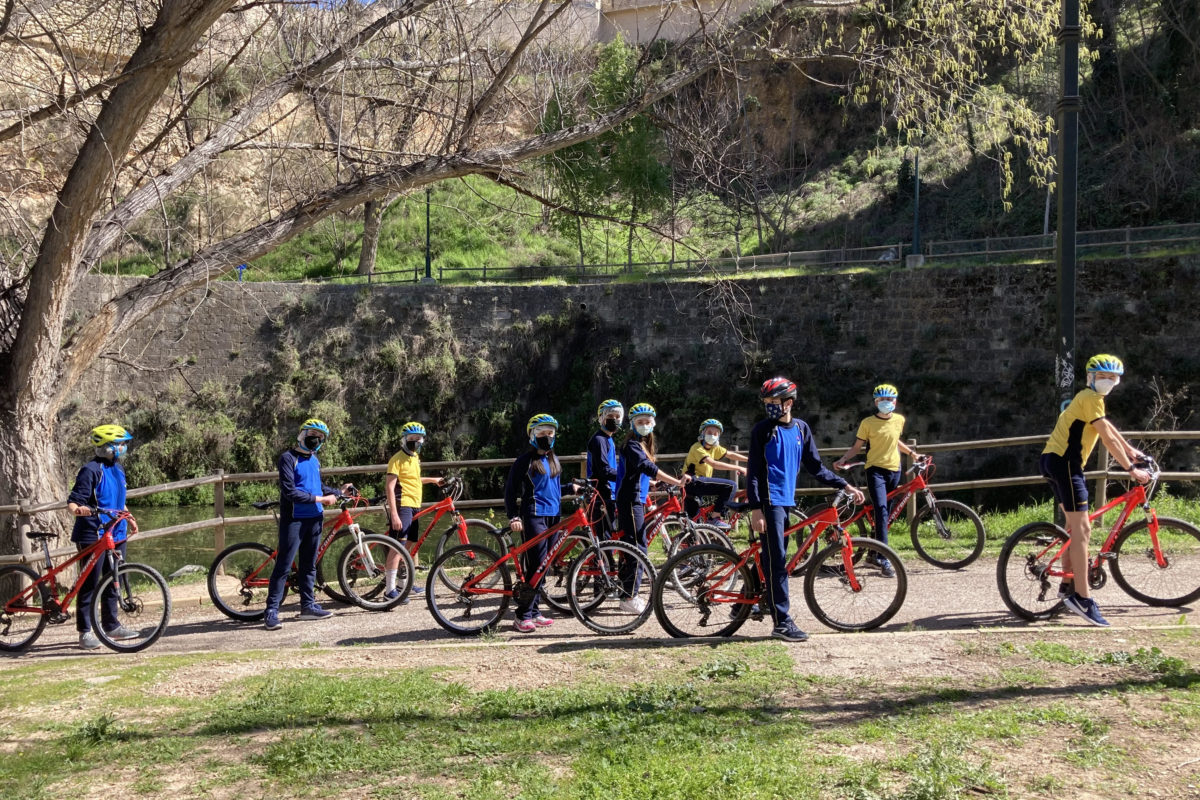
(579, 238)
(372, 223)
(629, 241)
(36, 476)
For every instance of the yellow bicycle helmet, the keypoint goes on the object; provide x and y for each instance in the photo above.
(109, 434)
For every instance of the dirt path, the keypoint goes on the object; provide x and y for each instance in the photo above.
(938, 601)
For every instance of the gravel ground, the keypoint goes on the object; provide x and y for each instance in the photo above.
(937, 600)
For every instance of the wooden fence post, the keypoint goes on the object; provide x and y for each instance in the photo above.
(219, 512)
(912, 498)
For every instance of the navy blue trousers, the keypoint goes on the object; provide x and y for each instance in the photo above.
(632, 517)
(774, 564)
(718, 488)
(87, 591)
(879, 482)
(532, 559)
(298, 541)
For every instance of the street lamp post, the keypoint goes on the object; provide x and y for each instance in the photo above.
(1069, 104)
(428, 259)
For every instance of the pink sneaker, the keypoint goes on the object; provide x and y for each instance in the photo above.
(525, 626)
(542, 622)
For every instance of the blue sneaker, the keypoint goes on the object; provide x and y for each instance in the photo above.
(415, 591)
(1086, 607)
(789, 632)
(391, 594)
(315, 612)
(271, 620)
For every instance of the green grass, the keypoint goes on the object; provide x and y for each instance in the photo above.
(739, 719)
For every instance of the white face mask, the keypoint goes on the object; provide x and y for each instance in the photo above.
(711, 439)
(644, 428)
(1103, 386)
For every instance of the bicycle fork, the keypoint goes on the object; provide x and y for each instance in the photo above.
(365, 557)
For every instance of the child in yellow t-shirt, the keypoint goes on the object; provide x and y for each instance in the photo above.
(403, 486)
(880, 433)
(704, 457)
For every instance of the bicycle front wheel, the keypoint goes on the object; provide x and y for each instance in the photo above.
(704, 591)
(1173, 579)
(851, 595)
(468, 590)
(948, 535)
(1023, 571)
(239, 580)
(361, 572)
(697, 534)
(554, 583)
(22, 619)
(478, 532)
(143, 608)
(598, 588)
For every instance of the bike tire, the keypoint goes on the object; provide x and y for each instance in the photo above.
(948, 535)
(478, 532)
(1135, 566)
(830, 594)
(554, 583)
(700, 533)
(143, 604)
(19, 628)
(1021, 571)
(596, 592)
(704, 584)
(361, 573)
(460, 612)
(239, 579)
(327, 566)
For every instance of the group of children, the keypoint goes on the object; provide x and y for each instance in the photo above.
(780, 444)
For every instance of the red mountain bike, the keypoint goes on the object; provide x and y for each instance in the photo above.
(33, 600)
(709, 590)
(1156, 560)
(946, 533)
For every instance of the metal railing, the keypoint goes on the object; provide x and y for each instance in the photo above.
(220, 521)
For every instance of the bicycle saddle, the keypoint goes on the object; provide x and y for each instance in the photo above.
(263, 505)
(38, 536)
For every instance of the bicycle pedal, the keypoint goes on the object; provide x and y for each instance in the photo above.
(422, 568)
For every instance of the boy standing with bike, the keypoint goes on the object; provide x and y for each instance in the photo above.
(880, 434)
(302, 495)
(100, 484)
(779, 445)
(1080, 424)
(402, 490)
(602, 458)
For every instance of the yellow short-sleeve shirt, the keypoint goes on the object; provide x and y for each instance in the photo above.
(1074, 437)
(883, 438)
(407, 470)
(694, 463)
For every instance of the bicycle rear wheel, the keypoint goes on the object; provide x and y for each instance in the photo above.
(239, 579)
(1022, 572)
(21, 623)
(478, 532)
(597, 592)
(1136, 567)
(361, 572)
(143, 606)
(700, 533)
(832, 597)
(704, 591)
(948, 535)
(463, 601)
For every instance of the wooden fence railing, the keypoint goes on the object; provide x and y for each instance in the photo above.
(221, 521)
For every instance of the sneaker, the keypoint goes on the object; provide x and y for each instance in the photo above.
(1086, 607)
(886, 568)
(634, 605)
(315, 612)
(415, 591)
(525, 626)
(391, 594)
(121, 633)
(717, 522)
(788, 632)
(542, 622)
(88, 640)
(271, 621)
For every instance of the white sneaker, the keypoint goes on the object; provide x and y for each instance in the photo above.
(634, 605)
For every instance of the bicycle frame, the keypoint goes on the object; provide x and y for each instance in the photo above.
(904, 491)
(93, 553)
(1136, 496)
(439, 509)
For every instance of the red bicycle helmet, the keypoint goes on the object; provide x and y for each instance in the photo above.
(777, 387)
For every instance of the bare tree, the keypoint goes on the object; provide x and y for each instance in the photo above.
(181, 96)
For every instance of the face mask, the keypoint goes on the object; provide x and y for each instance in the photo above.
(111, 452)
(611, 425)
(711, 440)
(1103, 386)
(312, 443)
(644, 428)
(544, 443)
(886, 407)
(774, 410)
(414, 447)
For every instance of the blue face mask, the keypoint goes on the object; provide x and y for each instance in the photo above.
(774, 410)
(886, 407)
